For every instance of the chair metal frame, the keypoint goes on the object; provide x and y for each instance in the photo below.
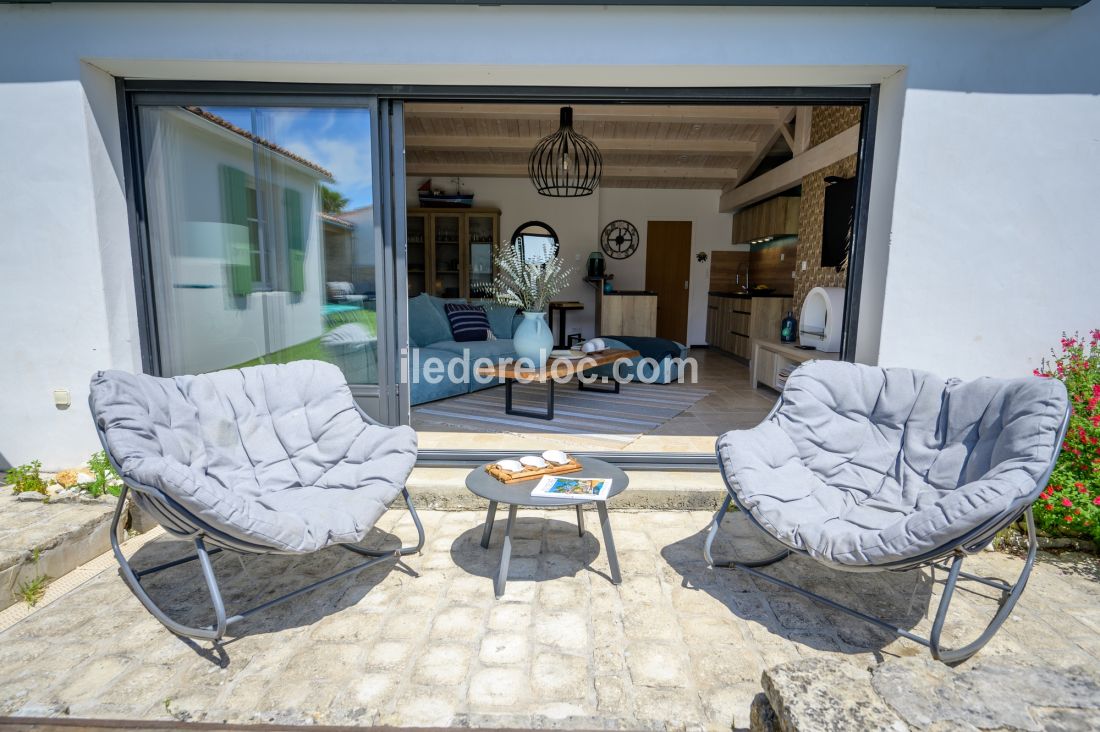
(181, 523)
(957, 551)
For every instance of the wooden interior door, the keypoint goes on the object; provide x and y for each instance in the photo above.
(667, 270)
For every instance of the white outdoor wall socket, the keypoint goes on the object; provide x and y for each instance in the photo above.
(803, 265)
(62, 399)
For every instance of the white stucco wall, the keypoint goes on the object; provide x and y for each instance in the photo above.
(983, 197)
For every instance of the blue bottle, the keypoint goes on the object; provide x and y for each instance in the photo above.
(788, 328)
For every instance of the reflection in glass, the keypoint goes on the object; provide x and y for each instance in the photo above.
(262, 237)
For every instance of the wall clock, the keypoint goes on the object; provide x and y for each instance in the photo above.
(619, 239)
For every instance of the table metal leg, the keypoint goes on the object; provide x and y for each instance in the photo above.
(580, 521)
(609, 543)
(489, 524)
(581, 386)
(548, 414)
(506, 553)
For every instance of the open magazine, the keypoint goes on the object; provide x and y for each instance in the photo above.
(553, 486)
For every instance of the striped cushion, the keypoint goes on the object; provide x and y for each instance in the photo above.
(468, 322)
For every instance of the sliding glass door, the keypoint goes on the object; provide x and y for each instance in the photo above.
(264, 241)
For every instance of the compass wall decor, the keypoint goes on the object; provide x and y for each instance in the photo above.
(619, 239)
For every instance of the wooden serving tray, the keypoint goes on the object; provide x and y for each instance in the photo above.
(505, 476)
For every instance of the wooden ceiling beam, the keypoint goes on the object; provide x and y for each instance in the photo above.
(474, 142)
(766, 144)
(792, 172)
(802, 127)
(501, 170)
(681, 113)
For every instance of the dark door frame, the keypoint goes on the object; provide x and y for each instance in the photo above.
(266, 93)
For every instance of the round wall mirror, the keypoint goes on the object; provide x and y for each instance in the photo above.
(536, 242)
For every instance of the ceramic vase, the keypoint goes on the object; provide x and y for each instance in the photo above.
(533, 338)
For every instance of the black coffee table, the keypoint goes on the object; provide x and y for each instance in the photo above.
(515, 495)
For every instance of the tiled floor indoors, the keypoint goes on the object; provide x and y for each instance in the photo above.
(731, 404)
(675, 646)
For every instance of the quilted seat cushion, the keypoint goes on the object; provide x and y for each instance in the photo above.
(276, 455)
(863, 466)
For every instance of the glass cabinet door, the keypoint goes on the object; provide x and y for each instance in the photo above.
(417, 253)
(481, 237)
(446, 255)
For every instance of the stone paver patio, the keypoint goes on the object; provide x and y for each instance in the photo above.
(675, 646)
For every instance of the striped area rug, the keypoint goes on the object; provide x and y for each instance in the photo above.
(622, 417)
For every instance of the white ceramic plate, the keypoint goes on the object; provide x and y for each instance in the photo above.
(512, 466)
(566, 353)
(533, 461)
(557, 457)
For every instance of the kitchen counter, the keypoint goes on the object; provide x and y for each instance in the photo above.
(747, 295)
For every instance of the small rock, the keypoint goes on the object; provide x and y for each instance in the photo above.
(761, 715)
(824, 694)
(83, 478)
(30, 497)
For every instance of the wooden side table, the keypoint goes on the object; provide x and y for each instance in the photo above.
(563, 307)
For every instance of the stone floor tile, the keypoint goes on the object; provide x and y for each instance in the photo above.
(659, 665)
(501, 649)
(510, 616)
(499, 687)
(565, 631)
(443, 665)
(457, 621)
(557, 676)
(389, 654)
(422, 706)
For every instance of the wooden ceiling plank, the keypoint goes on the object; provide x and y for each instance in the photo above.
(512, 170)
(685, 114)
(612, 144)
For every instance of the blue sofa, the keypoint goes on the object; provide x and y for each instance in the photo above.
(430, 338)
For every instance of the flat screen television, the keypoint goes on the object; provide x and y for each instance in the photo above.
(836, 229)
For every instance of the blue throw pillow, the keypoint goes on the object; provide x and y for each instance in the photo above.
(500, 318)
(426, 324)
(468, 322)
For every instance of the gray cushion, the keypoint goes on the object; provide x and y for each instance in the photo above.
(277, 455)
(864, 466)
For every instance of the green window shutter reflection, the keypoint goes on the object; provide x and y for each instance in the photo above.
(295, 241)
(238, 253)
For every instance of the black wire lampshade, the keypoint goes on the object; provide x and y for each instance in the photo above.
(565, 164)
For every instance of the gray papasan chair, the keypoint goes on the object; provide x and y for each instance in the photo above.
(872, 469)
(274, 459)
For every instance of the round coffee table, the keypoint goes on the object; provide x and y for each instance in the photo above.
(480, 483)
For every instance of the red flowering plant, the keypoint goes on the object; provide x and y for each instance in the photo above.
(1070, 504)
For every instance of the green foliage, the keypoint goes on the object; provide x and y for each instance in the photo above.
(104, 476)
(332, 202)
(26, 478)
(527, 285)
(1070, 504)
(32, 590)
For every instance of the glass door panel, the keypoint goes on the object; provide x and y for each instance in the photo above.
(447, 255)
(417, 253)
(481, 236)
(262, 236)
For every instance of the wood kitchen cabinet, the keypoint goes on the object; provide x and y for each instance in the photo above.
(775, 217)
(734, 322)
